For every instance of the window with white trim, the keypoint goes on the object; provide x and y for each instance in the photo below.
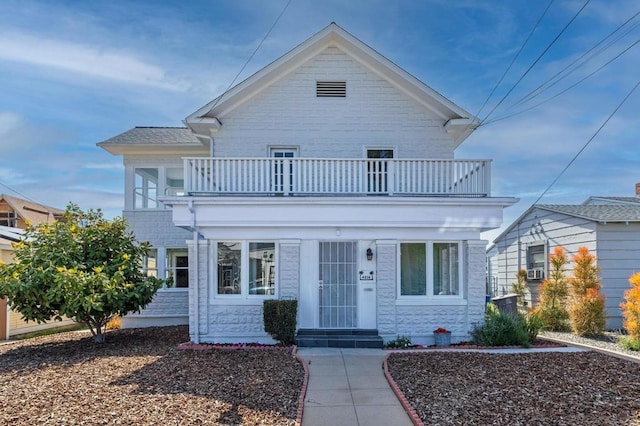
(245, 268)
(150, 263)
(430, 269)
(177, 270)
(146, 188)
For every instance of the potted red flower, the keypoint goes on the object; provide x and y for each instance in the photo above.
(442, 336)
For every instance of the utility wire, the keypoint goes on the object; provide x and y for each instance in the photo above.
(251, 57)
(565, 90)
(16, 191)
(550, 82)
(514, 58)
(535, 62)
(589, 141)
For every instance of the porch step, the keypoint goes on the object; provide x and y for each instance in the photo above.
(338, 338)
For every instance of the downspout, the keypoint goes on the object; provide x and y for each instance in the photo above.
(196, 289)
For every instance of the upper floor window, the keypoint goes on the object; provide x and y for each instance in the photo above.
(430, 269)
(146, 188)
(174, 181)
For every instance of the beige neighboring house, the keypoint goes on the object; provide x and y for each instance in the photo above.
(15, 214)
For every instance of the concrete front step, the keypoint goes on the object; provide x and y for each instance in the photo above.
(343, 338)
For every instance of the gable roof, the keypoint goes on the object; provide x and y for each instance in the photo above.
(141, 138)
(458, 122)
(32, 212)
(601, 213)
(612, 200)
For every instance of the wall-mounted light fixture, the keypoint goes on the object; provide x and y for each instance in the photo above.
(369, 254)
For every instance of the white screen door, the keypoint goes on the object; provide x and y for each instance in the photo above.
(338, 284)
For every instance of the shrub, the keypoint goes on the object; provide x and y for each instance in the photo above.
(280, 320)
(631, 308)
(399, 342)
(553, 291)
(586, 306)
(500, 329)
(519, 287)
(532, 324)
(630, 342)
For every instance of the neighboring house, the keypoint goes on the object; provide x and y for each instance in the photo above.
(15, 215)
(608, 226)
(328, 177)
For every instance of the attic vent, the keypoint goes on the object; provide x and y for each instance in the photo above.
(331, 89)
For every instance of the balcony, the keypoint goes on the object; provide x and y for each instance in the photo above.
(336, 177)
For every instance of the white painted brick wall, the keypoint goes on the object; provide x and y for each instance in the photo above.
(418, 321)
(156, 227)
(386, 289)
(374, 113)
(169, 306)
(289, 279)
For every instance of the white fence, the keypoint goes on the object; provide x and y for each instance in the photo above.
(320, 176)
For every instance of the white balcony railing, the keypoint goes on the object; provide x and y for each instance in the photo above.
(320, 176)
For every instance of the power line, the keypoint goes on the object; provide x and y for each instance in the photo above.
(565, 90)
(252, 55)
(535, 62)
(26, 197)
(550, 82)
(515, 58)
(589, 141)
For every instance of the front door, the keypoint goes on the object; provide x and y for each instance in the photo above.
(338, 289)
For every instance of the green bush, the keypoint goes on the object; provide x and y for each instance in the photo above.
(533, 324)
(500, 329)
(280, 320)
(630, 342)
(399, 342)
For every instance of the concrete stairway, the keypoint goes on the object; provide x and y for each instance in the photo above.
(338, 338)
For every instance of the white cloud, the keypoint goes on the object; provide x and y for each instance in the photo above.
(93, 61)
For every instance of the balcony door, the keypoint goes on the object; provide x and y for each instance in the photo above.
(377, 170)
(283, 170)
(338, 288)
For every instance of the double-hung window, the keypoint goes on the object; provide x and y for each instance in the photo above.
(177, 269)
(245, 268)
(430, 269)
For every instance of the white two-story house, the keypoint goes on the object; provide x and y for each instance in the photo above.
(328, 177)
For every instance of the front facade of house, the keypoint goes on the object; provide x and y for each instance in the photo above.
(327, 177)
(608, 226)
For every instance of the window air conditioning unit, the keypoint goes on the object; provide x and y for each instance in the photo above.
(534, 274)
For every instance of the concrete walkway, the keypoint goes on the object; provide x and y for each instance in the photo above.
(347, 387)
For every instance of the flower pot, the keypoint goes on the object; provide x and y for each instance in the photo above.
(442, 339)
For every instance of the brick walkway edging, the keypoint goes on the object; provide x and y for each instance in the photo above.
(413, 415)
(305, 382)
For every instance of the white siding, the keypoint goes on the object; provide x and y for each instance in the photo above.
(538, 227)
(618, 258)
(374, 114)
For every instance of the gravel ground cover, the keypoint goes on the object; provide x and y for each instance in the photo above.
(547, 388)
(140, 377)
(608, 341)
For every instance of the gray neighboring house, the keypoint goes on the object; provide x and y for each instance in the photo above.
(608, 226)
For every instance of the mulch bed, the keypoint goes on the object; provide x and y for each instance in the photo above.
(140, 377)
(583, 388)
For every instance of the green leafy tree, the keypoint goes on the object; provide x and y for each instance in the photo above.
(586, 303)
(553, 291)
(83, 267)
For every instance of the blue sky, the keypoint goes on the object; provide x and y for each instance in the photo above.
(75, 73)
